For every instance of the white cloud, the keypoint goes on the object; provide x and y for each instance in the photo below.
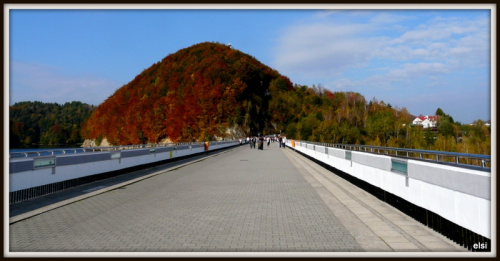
(411, 70)
(389, 18)
(326, 13)
(338, 42)
(437, 29)
(405, 79)
(343, 84)
(30, 82)
(322, 49)
(455, 41)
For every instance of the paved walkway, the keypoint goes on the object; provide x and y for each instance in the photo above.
(241, 200)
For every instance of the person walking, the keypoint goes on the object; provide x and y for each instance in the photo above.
(280, 140)
(284, 142)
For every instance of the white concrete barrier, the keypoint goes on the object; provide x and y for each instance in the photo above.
(460, 195)
(26, 173)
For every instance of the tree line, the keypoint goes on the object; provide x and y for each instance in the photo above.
(317, 114)
(39, 123)
(299, 112)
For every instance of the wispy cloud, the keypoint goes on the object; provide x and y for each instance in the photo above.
(29, 81)
(455, 41)
(328, 46)
(439, 29)
(412, 70)
(322, 48)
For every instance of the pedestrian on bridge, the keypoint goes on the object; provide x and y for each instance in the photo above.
(261, 143)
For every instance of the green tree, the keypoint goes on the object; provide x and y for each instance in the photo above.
(440, 112)
(446, 128)
(33, 122)
(291, 130)
(308, 124)
(381, 125)
(429, 138)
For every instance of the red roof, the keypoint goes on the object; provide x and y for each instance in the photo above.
(430, 118)
(433, 118)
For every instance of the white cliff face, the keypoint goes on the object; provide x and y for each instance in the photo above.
(92, 143)
(88, 143)
(235, 132)
(165, 141)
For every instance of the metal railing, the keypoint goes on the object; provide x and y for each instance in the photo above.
(29, 154)
(455, 158)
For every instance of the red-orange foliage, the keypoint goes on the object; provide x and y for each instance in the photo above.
(187, 96)
(330, 95)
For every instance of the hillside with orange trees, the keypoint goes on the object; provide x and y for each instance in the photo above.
(195, 94)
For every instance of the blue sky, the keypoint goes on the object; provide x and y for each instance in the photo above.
(418, 59)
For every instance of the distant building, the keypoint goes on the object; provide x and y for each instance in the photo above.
(487, 124)
(426, 121)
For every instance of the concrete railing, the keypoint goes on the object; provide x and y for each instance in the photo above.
(30, 177)
(460, 195)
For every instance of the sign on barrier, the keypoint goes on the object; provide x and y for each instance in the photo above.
(44, 162)
(116, 154)
(348, 155)
(399, 166)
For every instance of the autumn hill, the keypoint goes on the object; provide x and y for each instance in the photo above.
(204, 92)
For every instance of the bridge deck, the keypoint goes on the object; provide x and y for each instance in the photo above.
(240, 200)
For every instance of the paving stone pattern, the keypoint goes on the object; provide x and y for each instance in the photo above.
(242, 200)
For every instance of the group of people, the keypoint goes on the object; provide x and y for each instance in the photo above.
(259, 141)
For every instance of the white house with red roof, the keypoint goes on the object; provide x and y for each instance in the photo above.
(426, 121)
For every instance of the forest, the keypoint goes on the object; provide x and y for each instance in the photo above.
(210, 91)
(34, 123)
(317, 114)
